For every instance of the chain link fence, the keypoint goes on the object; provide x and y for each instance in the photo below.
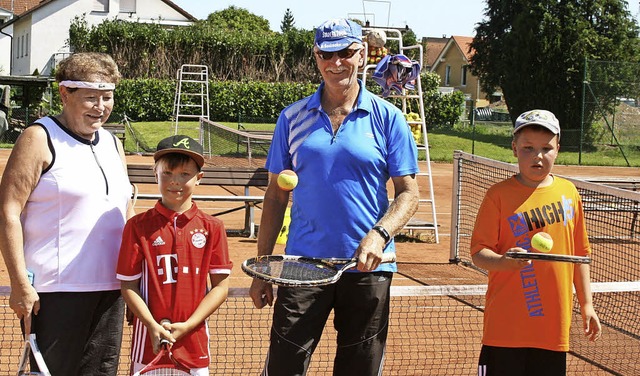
(17, 120)
(611, 108)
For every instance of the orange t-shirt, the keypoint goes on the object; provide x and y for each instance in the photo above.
(530, 307)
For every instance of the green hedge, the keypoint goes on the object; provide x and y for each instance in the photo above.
(152, 100)
(155, 51)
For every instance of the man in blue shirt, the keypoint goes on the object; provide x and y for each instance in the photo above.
(344, 144)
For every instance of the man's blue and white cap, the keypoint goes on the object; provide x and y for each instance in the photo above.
(541, 117)
(337, 34)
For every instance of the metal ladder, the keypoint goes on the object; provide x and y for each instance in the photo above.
(421, 220)
(192, 94)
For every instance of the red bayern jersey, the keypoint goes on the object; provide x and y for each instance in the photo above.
(172, 255)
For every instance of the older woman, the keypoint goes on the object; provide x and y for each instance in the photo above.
(64, 200)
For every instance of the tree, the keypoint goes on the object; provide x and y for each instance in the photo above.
(409, 38)
(238, 19)
(535, 51)
(288, 22)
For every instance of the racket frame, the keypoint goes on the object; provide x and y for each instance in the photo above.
(548, 257)
(165, 352)
(339, 265)
(31, 347)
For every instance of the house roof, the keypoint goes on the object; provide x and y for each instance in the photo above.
(464, 44)
(19, 6)
(433, 48)
(5, 12)
(41, 3)
(461, 43)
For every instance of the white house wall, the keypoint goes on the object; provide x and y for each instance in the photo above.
(21, 46)
(155, 10)
(5, 50)
(48, 28)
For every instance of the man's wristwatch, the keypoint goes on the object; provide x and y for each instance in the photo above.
(383, 232)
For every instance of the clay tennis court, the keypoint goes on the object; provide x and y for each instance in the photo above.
(430, 335)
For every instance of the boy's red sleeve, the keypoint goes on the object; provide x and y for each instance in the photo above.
(220, 262)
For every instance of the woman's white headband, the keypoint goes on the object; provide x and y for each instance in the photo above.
(88, 85)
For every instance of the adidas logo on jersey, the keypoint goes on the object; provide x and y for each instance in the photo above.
(158, 242)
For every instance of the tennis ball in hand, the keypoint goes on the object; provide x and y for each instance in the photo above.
(542, 242)
(287, 180)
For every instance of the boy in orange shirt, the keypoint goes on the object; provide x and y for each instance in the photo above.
(528, 308)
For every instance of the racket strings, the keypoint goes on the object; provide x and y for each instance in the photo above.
(297, 270)
(168, 371)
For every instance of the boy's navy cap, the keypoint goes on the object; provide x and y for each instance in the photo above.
(337, 34)
(541, 117)
(182, 145)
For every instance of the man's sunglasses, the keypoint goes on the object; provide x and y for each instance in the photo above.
(342, 54)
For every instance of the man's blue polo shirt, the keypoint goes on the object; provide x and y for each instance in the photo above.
(342, 189)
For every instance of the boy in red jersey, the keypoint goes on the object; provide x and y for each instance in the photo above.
(528, 308)
(166, 255)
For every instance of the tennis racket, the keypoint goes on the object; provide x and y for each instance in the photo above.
(300, 271)
(164, 364)
(548, 257)
(31, 347)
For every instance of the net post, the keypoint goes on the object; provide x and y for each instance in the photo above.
(455, 208)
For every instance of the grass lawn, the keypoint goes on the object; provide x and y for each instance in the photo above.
(487, 140)
(494, 141)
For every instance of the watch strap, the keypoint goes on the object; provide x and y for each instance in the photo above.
(383, 232)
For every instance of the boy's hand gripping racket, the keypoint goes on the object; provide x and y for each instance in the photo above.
(164, 364)
(31, 347)
(299, 271)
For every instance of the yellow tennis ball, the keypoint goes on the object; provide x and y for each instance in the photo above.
(542, 242)
(287, 180)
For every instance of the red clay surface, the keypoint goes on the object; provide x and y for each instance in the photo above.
(426, 337)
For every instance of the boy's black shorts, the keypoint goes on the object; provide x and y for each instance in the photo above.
(507, 361)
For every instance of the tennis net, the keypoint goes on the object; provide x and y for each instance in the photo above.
(434, 330)
(225, 146)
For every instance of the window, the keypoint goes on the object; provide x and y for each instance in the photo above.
(22, 46)
(100, 6)
(127, 6)
(463, 76)
(447, 75)
(26, 50)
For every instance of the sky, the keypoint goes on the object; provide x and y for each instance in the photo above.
(427, 18)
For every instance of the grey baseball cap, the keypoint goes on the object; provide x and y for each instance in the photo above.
(541, 117)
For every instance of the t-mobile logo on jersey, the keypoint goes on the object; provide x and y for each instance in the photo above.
(168, 267)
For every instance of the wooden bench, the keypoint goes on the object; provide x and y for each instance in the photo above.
(117, 129)
(257, 132)
(487, 114)
(219, 176)
(483, 113)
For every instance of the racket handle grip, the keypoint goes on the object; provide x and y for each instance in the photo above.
(388, 257)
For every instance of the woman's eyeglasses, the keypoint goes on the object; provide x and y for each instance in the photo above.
(347, 53)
